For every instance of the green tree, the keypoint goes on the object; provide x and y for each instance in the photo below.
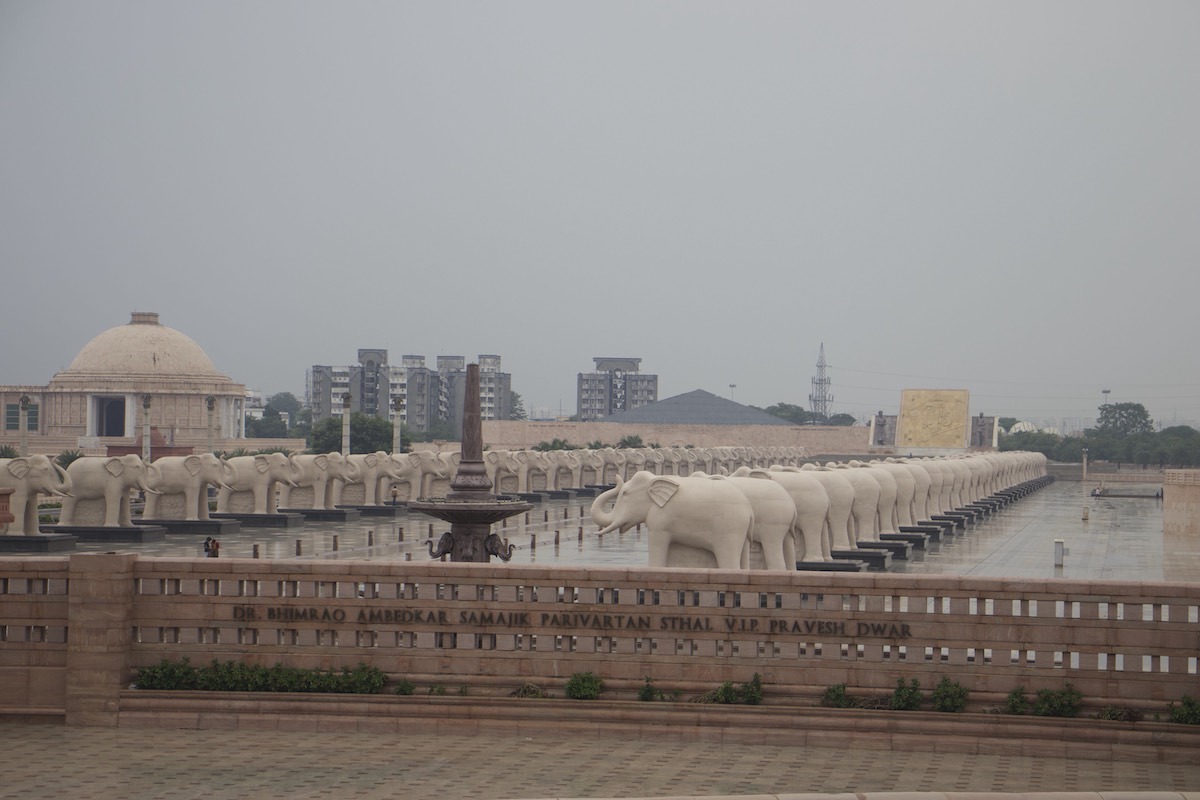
(285, 403)
(792, 413)
(1032, 441)
(368, 434)
(555, 444)
(1007, 422)
(630, 442)
(271, 426)
(844, 420)
(516, 406)
(1124, 419)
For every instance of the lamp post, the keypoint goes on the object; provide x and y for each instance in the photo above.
(732, 386)
(146, 428)
(1084, 478)
(346, 424)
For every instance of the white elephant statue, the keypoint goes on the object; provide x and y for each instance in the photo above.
(503, 470)
(841, 501)
(774, 520)
(316, 474)
(437, 473)
(188, 477)
(28, 477)
(709, 516)
(864, 513)
(532, 465)
(374, 473)
(105, 481)
(257, 475)
(812, 509)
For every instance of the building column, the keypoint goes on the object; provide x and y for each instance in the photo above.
(99, 636)
(146, 428)
(23, 426)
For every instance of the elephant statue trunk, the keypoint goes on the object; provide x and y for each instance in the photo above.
(65, 486)
(601, 517)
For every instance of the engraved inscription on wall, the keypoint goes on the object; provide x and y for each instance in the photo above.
(933, 418)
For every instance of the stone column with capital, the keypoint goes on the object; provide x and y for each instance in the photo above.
(346, 424)
(23, 425)
(397, 429)
(146, 428)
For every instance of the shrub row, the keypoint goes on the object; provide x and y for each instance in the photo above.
(947, 696)
(233, 676)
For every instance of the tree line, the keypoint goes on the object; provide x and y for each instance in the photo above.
(1124, 433)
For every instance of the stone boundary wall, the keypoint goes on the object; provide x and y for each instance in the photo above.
(524, 435)
(72, 628)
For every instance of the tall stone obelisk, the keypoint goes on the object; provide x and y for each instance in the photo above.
(470, 507)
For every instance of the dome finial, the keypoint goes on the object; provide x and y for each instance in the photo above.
(144, 318)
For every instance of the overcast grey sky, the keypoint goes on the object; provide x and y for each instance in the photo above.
(996, 196)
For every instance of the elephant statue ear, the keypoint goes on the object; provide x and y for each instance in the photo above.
(19, 467)
(114, 466)
(415, 460)
(491, 456)
(663, 489)
(522, 456)
(192, 465)
(759, 473)
(261, 464)
(371, 460)
(322, 462)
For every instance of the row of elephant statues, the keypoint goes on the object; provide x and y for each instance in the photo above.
(95, 490)
(772, 518)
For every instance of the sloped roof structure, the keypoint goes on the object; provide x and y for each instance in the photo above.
(697, 407)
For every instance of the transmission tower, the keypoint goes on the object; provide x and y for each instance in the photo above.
(820, 400)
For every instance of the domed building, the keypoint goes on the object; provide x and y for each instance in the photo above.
(101, 400)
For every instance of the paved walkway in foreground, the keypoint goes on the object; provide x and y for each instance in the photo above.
(98, 764)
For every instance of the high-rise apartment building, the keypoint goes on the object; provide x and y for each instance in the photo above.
(426, 396)
(615, 385)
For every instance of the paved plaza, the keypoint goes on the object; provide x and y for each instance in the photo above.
(105, 764)
(1122, 539)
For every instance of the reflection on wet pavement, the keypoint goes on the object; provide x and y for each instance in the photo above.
(1122, 539)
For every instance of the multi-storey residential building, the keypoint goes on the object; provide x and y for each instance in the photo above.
(614, 386)
(425, 396)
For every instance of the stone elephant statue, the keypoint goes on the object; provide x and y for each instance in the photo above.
(318, 473)
(188, 477)
(437, 472)
(709, 516)
(108, 479)
(864, 512)
(536, 470)
(841, 501)
(257, 475)
(811, 503)
(375, 473)
(29, 477)
(774, 519)
(503, 470)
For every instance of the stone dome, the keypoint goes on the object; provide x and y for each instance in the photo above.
(145, 348)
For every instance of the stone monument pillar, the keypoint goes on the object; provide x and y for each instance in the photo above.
(346, 424)
(397, 428)
(210, 403)
(23, 425)
(471, 508)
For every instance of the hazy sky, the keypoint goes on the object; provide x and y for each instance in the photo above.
(996, 196)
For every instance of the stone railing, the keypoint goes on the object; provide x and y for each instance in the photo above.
(73, 629)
